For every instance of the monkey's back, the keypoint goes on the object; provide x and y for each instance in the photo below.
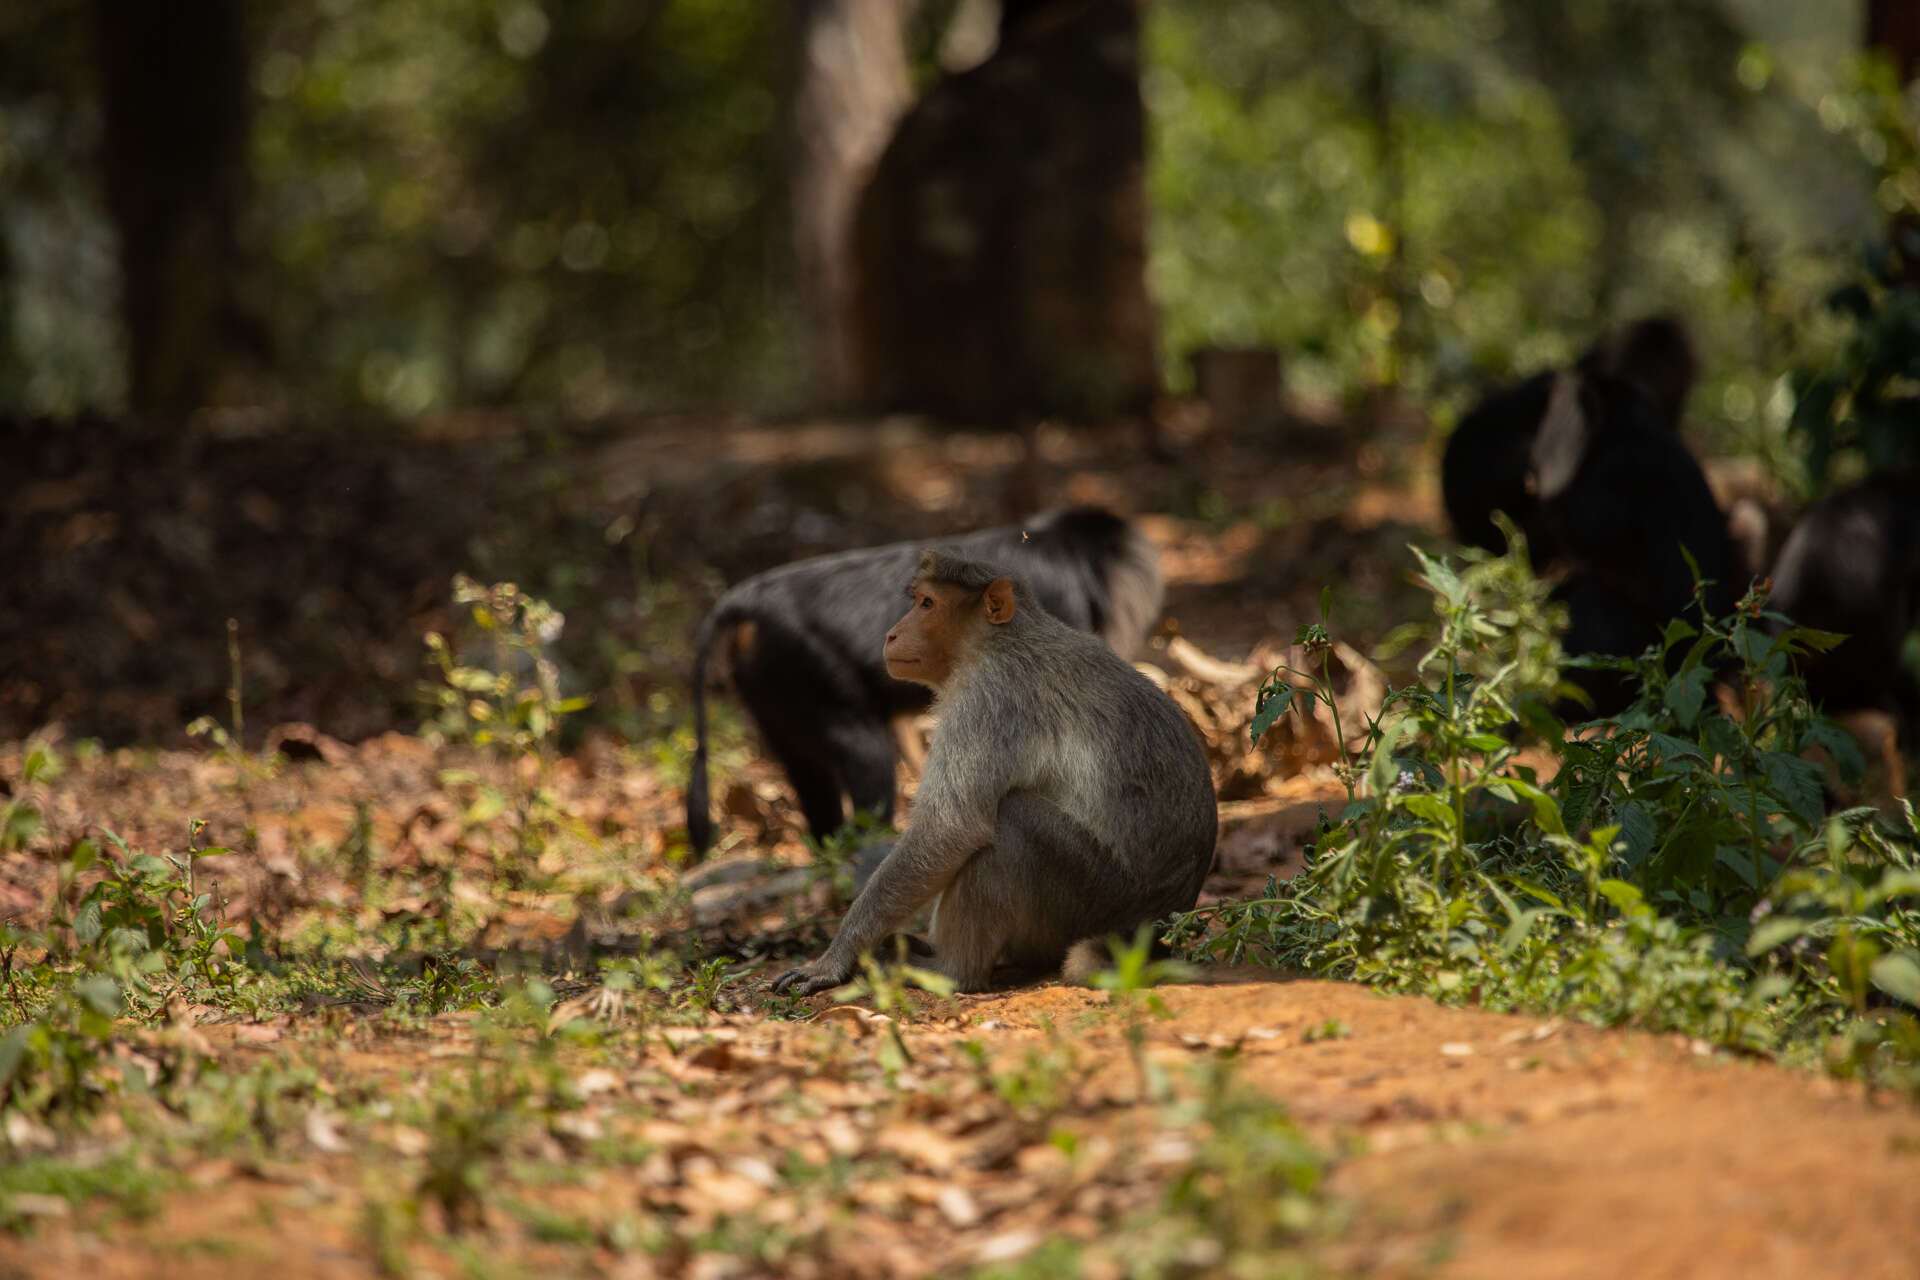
(1103, 743)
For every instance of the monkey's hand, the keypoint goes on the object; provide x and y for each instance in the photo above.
(822, 974)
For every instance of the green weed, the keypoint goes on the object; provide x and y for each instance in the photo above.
(1629, 886)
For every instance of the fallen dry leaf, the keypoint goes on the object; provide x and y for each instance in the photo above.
(921, 1146)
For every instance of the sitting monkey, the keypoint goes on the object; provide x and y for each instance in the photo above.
(1065, 797)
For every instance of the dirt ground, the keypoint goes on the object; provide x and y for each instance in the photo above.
(1481, 1145)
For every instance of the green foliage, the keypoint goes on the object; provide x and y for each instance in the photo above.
(1135, 971)
(1251, 1196)
(122, 1182)
(1248, 1199)
(1129, 984)
(581, 207)
(143, 917)
(558, 204)
(59, 1064)
(20, 816)
(706, 980)
(515, 703)
(886, 986)
(1627, 886)
(138, 933)
(833, 857)
(1040, 1087)
(1276, 695)
(512, 705)
(1409, 192)
(1859, 411)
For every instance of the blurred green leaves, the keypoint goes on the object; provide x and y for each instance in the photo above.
(1424, 192)
(488, 201)
(581, 206)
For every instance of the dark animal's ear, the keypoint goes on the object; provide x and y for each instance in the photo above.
(998, 599)
(1561, 443)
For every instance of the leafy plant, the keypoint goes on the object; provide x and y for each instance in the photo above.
(704, 983)
(513, 706)
(1130, 984)
(1276, 695)
(887, 986)
(145, 916)
(1042, 1086)
(514, 703)
(1626, 885)
(58, 1063)
(1251, 1196)
(20, 817)
(1858, 411)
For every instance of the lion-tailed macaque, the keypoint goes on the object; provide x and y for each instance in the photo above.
(1645, 371)
(804, 644)
(1589, 463)
(1624, 504)
(1065, 798)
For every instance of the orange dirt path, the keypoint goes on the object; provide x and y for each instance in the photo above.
(1475, 1145)
(1527, 1147)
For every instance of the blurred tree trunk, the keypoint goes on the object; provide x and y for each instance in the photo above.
(1000, 249)
(850, 85)
(173, 84)
(1894, 25)
(1381, 106)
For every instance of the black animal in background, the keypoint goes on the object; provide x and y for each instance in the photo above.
(806, 645)
(1852, 565)
(1489, 455)
(1589, 465)
(1621, 503)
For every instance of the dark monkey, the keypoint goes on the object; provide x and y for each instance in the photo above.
(1852, 564)
(1622, 503)
(1589, 464)
(1488, 456)
(805, 646)
(1065, 797)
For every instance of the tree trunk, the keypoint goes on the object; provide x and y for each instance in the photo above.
(1384, 109)
(173, 83)
(1894, 25)
(850, 86)
(1000, 247)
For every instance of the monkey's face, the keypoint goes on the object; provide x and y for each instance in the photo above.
(926, 644)
(942, 628)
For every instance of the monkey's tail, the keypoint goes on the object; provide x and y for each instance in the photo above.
(699, 804)
(1084, 959)
(1089, 956)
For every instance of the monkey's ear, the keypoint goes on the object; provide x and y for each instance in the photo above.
(998, 600)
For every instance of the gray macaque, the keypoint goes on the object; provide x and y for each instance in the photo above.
(1065, 798)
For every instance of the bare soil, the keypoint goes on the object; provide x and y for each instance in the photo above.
(1481, 1145)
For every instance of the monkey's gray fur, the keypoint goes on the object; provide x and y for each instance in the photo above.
(1065, 799)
